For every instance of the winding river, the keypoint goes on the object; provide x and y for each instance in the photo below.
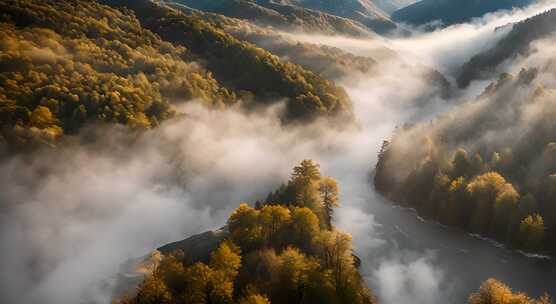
(462, 261)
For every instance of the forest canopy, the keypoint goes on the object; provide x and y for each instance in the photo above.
(68, 63)
(244, 66)
(284, 250)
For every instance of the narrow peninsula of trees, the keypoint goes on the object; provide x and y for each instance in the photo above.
(284, 250)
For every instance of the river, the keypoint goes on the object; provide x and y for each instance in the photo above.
(445, 262)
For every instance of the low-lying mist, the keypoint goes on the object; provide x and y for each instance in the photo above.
(70, 216)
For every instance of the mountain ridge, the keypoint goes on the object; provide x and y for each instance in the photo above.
(450, 12)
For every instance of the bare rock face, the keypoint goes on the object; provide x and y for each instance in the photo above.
(196, 248)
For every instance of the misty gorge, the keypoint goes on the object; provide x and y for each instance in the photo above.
(277, 151)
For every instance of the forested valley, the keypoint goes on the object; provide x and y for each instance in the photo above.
(61, 70)
(127, 125)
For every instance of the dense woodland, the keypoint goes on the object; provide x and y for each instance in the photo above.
(488, 167)
(242, 65)
(329, 62)
(68, 63)
(284, 250)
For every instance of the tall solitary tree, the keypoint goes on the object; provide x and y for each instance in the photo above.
(330, 200)
(307, 169)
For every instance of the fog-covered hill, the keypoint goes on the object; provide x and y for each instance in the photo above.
(452, 11)
(62, 71)
(390, 6)
(281, 16)
(517, 42)
(363, 11)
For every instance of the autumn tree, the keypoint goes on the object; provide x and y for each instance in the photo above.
(305, 180)
(486, 190)
(172, 272)
(531, 231)
(330, 199)
(254, 299)
(284, 256)
(274, 220)
(227, 259)
(304, 227)
(244, 227)
(154, 291)
(495, 292)
(307, 169)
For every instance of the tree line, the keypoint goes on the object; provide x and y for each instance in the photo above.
(488, 167)
(282, 252)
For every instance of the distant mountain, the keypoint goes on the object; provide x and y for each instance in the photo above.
(364, 11)
(390, 6)
(329, 62)
(517, 42)
(452, 11)
(280, 16)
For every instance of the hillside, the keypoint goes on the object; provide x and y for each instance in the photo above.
(62, 70)
(281, 16)
(242, 65)
(363, 11)
(329, 62)
(390, 6)
(487, 167)
(450, 12)
(517, 42)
